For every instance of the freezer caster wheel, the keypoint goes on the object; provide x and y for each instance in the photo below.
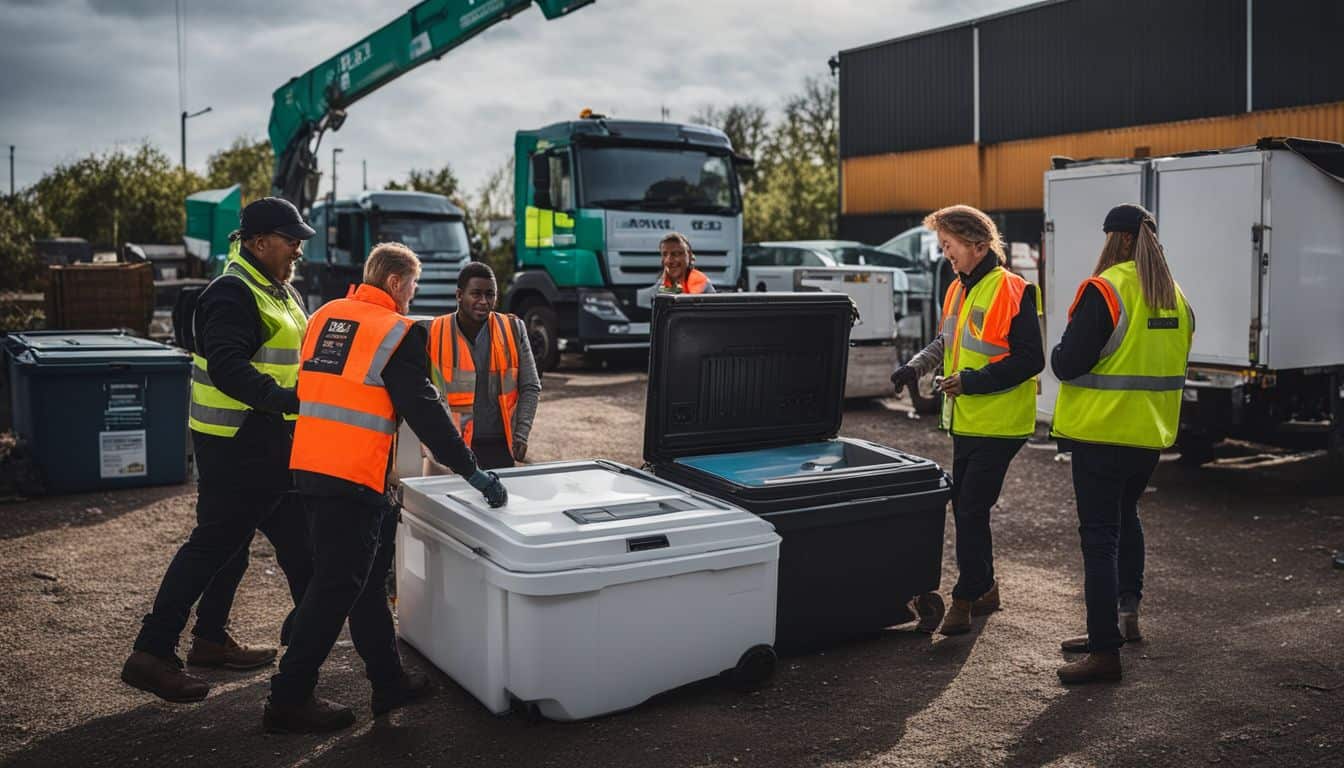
(755, 667)
(527, 710)
(930, 608)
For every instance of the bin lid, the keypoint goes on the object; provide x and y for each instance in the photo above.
(90, 348)
(736, 371)
(562, 516)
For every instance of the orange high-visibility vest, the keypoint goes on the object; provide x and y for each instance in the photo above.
(347, 425)
(695, 282)
(454, 370)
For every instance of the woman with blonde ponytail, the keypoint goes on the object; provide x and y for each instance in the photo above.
(990, 352)
(1121, 366)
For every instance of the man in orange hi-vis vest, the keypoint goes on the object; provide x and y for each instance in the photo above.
(363, 368)
(482, 362)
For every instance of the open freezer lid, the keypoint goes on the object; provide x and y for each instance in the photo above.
(581, 514)
(744, 370)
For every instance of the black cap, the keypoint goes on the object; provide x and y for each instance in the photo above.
(273, 214)
(1127, 218)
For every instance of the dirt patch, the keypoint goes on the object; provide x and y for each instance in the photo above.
(1242, 664)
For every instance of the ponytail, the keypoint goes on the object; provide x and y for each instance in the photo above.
(1159, 289)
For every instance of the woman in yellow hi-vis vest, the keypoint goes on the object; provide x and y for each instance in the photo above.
(1121, 364)
(990, 350)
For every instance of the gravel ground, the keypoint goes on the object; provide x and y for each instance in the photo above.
(1242, 664)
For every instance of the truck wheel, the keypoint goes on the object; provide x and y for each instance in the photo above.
(542, 334)
(755, 667)
(1336, 446)
(922, 396)
(760, 287)
(1195, 450)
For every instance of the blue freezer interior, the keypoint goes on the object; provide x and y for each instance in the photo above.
(759, 467)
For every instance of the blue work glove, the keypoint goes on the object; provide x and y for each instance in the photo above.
(491, 488)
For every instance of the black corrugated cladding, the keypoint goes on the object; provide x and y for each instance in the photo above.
(1297, 52)
(907, 94)
(1093, 64)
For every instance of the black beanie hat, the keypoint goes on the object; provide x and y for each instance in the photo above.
(1127, 218)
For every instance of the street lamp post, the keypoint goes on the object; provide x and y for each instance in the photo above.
(185, 118)
(334, 152)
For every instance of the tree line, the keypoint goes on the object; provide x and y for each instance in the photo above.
(136, 194)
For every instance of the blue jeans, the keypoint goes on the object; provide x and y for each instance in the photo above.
(1108, 481)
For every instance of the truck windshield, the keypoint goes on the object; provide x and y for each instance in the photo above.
(644, 178)
(431, 238)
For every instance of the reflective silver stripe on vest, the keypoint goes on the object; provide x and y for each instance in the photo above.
(1121, 325)
(276, 356)
(348, 416)
(201, 376)
(1132, 383)
(463, 381)
(220, 417)
(384, 353)
(969, 341)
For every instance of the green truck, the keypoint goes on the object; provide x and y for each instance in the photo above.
(592, 198)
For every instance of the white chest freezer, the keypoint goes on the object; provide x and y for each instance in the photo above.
(596, 587)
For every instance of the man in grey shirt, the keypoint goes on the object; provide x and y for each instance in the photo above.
(493, 391)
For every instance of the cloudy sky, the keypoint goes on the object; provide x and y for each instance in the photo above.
(83, 76)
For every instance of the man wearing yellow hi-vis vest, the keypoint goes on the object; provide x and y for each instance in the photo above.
(990, 352)
(1121, 366)
(248, 328)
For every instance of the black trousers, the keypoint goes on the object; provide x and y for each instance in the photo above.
(1108, 481)
(353, 546)
(978, 468)
(210, 565)
(492, 452)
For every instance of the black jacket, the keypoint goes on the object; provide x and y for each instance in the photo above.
(1088, 330)
(227, 333)
(1026, 355)
(415, 398)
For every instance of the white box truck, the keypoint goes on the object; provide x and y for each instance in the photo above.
(1255, 237)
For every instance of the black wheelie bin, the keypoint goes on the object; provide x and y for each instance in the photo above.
(745, 403)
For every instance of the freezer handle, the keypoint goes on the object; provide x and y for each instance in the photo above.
(643, 543)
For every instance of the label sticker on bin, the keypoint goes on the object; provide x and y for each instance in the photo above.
(122, 454)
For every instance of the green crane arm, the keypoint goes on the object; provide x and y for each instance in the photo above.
(315, 101)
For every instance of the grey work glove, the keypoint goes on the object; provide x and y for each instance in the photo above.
(491, 488)
(905, 376)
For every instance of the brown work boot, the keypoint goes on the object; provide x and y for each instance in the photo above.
(312, 716)
(1095, 668)
(228, 654)
(163, 677)
(988, 602)
(1129, 629)
(930, 609)
(409, 687)
(958, 618)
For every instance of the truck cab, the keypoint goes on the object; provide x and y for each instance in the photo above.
(348, 228)
(592, 199)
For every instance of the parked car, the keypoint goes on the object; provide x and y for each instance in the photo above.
(770, 266)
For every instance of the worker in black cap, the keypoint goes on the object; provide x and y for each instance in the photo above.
(248, 331)
(1121, 366)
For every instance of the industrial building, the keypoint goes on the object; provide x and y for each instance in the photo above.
(973, 112)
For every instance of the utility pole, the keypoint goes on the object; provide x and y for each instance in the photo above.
(185, 118)
(334, 152)
(11, 170)
(366, 173)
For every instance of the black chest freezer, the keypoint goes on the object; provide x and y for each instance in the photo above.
(745, 403)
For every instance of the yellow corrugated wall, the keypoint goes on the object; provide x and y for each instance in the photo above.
(1008, 176)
